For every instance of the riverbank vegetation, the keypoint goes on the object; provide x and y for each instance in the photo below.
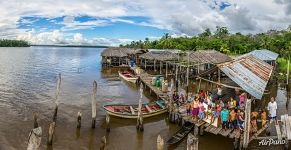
(13, 43)
(222, 40)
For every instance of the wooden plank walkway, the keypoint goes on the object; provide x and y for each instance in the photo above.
(147, 80)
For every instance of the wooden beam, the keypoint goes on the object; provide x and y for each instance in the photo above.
(247, 123)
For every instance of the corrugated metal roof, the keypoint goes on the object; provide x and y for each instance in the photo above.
(263, 54)
(249, 73)
(207, 56)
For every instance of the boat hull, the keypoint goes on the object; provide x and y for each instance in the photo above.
(128, 79)
(130, 111)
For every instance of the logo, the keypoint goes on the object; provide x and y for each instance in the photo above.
(269, 142)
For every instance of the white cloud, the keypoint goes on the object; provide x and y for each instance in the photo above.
(61, 38)
(181, 17)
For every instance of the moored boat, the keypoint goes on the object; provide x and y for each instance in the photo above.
(180, 134)
(128, 76)
(131, 111)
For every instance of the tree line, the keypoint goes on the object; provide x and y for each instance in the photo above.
(222, 40)
(13, 43)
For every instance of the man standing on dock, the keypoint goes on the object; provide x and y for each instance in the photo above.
(272, 108)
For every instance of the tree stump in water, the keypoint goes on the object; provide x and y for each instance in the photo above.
(103, 143)
(79, 120)
(34, 139)
(107, 123)
(160, 143)
(51, 133)
(192, 142)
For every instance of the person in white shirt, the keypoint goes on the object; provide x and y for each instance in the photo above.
(272, 108)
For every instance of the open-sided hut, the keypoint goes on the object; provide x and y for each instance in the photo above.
(114, 56)
(120, 56)
(153, 57)
(206, 60)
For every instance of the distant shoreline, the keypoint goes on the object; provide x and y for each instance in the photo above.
(91, 46)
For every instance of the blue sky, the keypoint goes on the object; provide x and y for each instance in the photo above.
(114, 22)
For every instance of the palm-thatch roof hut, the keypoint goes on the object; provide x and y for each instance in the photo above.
(160, 55)
(207, 57)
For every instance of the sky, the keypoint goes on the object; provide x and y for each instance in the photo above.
(114, 22)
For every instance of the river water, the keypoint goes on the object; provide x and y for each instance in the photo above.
(27, 85)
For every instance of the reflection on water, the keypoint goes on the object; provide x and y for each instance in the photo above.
(27, 85)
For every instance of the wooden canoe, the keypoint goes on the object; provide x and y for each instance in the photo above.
(128, 76)
(130, 111)
(180, 134)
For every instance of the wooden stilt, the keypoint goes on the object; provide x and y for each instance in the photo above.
(161, 63)
(79, 120)
(166, 70)
(35, 124)
(247, 123)
(236, 143)
(192, 142)
(155, 65)
(51, 133)
(107, 123)
(94, 104)
(160, 143)
(103, 143)
(199, 85)
(139, 125)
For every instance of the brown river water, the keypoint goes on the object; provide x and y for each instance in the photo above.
(27, 85)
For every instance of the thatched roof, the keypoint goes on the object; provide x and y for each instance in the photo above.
(207, 56)
(113, 52)
(121, 52)
(160, 55)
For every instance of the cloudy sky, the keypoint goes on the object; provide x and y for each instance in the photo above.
(112, 22)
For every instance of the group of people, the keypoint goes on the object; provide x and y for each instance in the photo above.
(229, 114)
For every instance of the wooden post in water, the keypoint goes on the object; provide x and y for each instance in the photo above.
(145, 64)
(139, 125)
(103, 143)
(247, 124)
(53, 124)
(35, 123)
(79, 120)
(51, 133)
(160, 143)
(192, 142)
(187, 79)
(107, 122)
(34, 138)
(218, 75)
(94, 104)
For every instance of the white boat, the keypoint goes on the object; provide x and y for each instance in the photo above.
(126, 75)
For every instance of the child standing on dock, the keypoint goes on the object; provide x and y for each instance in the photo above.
(224, 118)
(263, 117)
(188, 109)
(272, 108)
(241, 119)
(232, 119)
(201, 113)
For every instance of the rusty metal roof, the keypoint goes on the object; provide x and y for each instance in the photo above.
(263, 54)
(250, 73)
(207, 56)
